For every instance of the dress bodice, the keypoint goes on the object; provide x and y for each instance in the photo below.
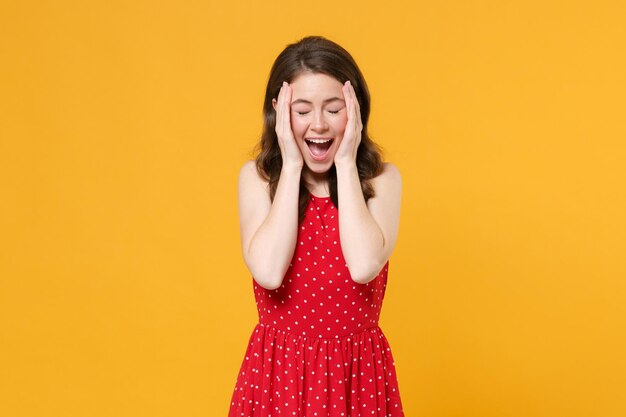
(318, 298)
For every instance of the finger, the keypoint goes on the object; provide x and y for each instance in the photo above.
(287, 108)
(352, 95)
(279, 102)
(352, 109)
(280, 93)
(346, 96)
(353, 92)
(356, 100)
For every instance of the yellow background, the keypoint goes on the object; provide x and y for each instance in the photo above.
(123, 125)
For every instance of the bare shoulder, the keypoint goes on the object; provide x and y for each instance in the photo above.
(250, 177)
(248, 170)
(253, 191)
(390, 170)
(388, 181)
(385, 205)
(253, 201)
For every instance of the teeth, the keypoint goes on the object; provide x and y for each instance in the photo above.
(319, 140)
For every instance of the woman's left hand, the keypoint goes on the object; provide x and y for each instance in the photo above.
(346, 153)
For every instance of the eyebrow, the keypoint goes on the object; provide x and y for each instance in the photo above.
(328, 100)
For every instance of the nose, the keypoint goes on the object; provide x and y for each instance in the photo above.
(319, 122)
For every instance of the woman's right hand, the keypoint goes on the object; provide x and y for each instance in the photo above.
(289, 149)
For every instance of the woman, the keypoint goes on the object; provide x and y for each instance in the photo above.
(319, 214)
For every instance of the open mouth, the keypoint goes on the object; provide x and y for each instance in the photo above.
(319, 147)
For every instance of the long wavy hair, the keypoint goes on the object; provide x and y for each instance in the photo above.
(315, 54)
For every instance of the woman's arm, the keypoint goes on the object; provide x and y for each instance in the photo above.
(268, 229)
(368, 232)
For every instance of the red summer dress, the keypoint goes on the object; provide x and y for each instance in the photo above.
(317, 350)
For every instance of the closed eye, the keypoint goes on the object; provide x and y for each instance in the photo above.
(302, 113)
(336, 111)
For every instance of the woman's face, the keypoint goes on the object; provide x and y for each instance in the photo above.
(318, 113)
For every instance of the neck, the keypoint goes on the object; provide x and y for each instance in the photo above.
(316, 182)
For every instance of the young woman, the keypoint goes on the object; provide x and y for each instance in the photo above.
(319, 214)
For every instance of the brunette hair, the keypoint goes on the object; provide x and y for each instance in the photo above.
(315, 54)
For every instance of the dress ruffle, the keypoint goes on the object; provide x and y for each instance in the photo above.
(284, 374)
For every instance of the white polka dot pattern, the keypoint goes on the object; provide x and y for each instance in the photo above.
(317, 349)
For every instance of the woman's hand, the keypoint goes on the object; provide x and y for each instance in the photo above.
(289, 149)
(346, 153)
